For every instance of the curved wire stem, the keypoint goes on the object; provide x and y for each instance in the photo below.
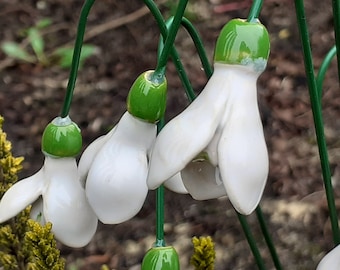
(255, 10)
(199, 46)
(170, 38)
(317, 116)
(76, 57)
(174, 54)
(323, 69)
(200, 50)
(336, 18)
(163, 56)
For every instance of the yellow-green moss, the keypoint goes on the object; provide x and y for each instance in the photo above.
(203, 257)
(44, 253)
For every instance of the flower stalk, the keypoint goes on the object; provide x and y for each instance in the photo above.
(76, 57)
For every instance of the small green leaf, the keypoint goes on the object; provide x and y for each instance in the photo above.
(13, 49)
(37, 42)
(43, 23)
(65, 55)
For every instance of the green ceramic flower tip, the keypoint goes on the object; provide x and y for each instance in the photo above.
(243, 43)
(61, 138)
(161, 258)
(147, 97)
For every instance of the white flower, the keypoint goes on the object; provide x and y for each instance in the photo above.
(331, 261)
(63, 203)
(114, 169)
(223, 125)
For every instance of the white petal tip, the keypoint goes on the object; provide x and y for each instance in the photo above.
(331, 261)
(175, 184)
(245, 203)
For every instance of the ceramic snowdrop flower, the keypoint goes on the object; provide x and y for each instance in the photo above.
(217, 142)
(55, 190)
(331, 261)
(114, 168)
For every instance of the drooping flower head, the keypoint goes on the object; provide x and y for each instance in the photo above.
(217, 142)
(114, 167)
(55, 190)
(161, 258)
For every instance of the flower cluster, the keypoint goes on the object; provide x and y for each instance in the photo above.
(215, 147)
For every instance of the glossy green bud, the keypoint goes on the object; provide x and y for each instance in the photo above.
(61, 138)
(147, 97)
(243, 43)
(161, 258)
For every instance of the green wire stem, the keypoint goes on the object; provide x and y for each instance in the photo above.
(336, 18)
(174, 54)
(255, 10)
(200, 50)
(323, 69)
(160, 242)
(268, 238)
(199, 46)
(317, 116)
(170, 39)
(165, 50)
(76, 57)
(251, 241)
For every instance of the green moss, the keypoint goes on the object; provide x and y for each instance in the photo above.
(44, 253)
(203, 257)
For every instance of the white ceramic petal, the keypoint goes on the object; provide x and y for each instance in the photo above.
(202, 180)
(37, 211)
(211, 149)
(242, 151)
(89, 155)
(175, 184)
(331, 261)
(20, 195)
(190, 132)
(116, 184)
(65, 205)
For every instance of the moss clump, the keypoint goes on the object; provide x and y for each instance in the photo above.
(203, 257)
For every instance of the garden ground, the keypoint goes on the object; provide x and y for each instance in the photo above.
(125, 36)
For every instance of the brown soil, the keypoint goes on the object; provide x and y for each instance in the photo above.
(294, 202)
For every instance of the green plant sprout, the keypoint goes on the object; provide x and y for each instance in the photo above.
(24, 243)
(35, 38)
